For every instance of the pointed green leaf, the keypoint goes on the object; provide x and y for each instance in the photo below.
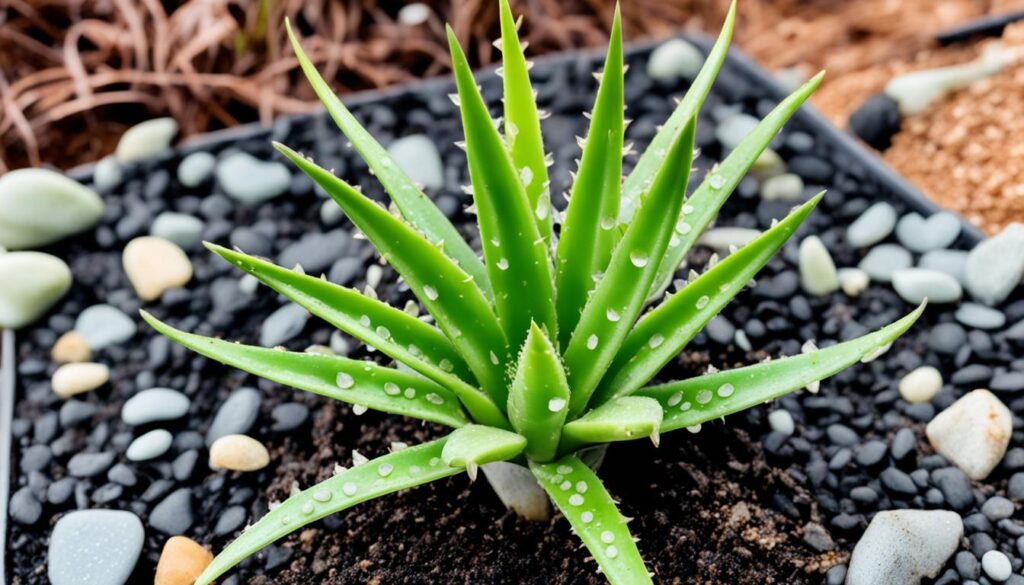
(474, 445)
(702, 207)
(585, 243)
(352, 381)
(446, 291)
(688, 403)
(416, 207)
(619, 297)
(514, 252)
(651, 160)
(539, 398)
(395, 333)
(381, 476)
(522, 124)
(589, 508)
(663, 332)
(622, 419)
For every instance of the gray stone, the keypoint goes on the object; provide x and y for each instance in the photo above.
(250, 180)
(173, 515)
(417, 155)
(236, 415)
(923, 235)
(331, 213)
(155, 404)
(900, 547)
(315, 252)
(980, 316)
(873, 226)
(283, 325)
(674, 59)
(146, 139)
(734, 128)
(30, 283)
(104, 325)
(180, 228)
(995, 267)
(24, 507)
(345, 270)
(885, 259)
(196, 168)
(952, 262)
(40, 206)
(915, 285)
(150, 446)
(94, 547)
(85, 465)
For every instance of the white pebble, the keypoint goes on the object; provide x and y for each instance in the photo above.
(997, 566)
(781, 422)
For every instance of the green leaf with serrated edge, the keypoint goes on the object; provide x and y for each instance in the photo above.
(619, 297)
(651, 160)
(589, 508)
(352, 381)
(516, 256)
(621, 419)
(664, 331)
(446, 291)
(522, 124)
(539, 398)
(702, 207)
(416, 207)
(395, 333)
(691, 402)
(381, 476)
(587, 236)
(474, 445)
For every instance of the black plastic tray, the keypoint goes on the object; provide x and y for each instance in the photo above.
(808, 118)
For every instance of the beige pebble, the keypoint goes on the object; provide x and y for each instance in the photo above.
(71, 348)
(920, 385)
(154, 265)
(973, 433)
(72, 379)
(238, 453)
(181, 562)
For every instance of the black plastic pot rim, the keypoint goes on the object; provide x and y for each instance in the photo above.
(807, 115)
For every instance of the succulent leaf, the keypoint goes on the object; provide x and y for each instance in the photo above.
(381, 476)
(665, 330)
(691, 402)
(620, 419)
(651, 160)
(446, 291)
(588, 233)
(719, 184)
(613, 308)
(522, 123)
(515, 254)
(589, 508)
(539, 399)
(474, 445)
(395, 333)
(353, 381)
(416, 207)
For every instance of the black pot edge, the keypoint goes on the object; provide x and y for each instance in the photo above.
(807, 115)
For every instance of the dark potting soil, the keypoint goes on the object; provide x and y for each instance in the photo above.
(734, 503)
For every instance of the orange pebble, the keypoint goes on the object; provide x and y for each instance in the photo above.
(181, 562)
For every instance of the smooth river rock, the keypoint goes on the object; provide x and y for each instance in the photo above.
(417, 155)
(251, 180)
(30, 283)
(972, 433)
(146, 139)
(154, 265)
(94, 547)
(995, 267)
(104, 325)
(40, 206)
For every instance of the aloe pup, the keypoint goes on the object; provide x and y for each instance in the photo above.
(542, 347)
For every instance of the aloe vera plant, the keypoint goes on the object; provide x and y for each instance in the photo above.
(541, 348)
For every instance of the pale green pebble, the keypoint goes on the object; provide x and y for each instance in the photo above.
(180, 228)
(30, 283)
(149, 446)
(251, 180)
(107, 174)
(818, 275)
(196, 168)
(674, 59)
(784, 187)
(41, 206)
(144, 140)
